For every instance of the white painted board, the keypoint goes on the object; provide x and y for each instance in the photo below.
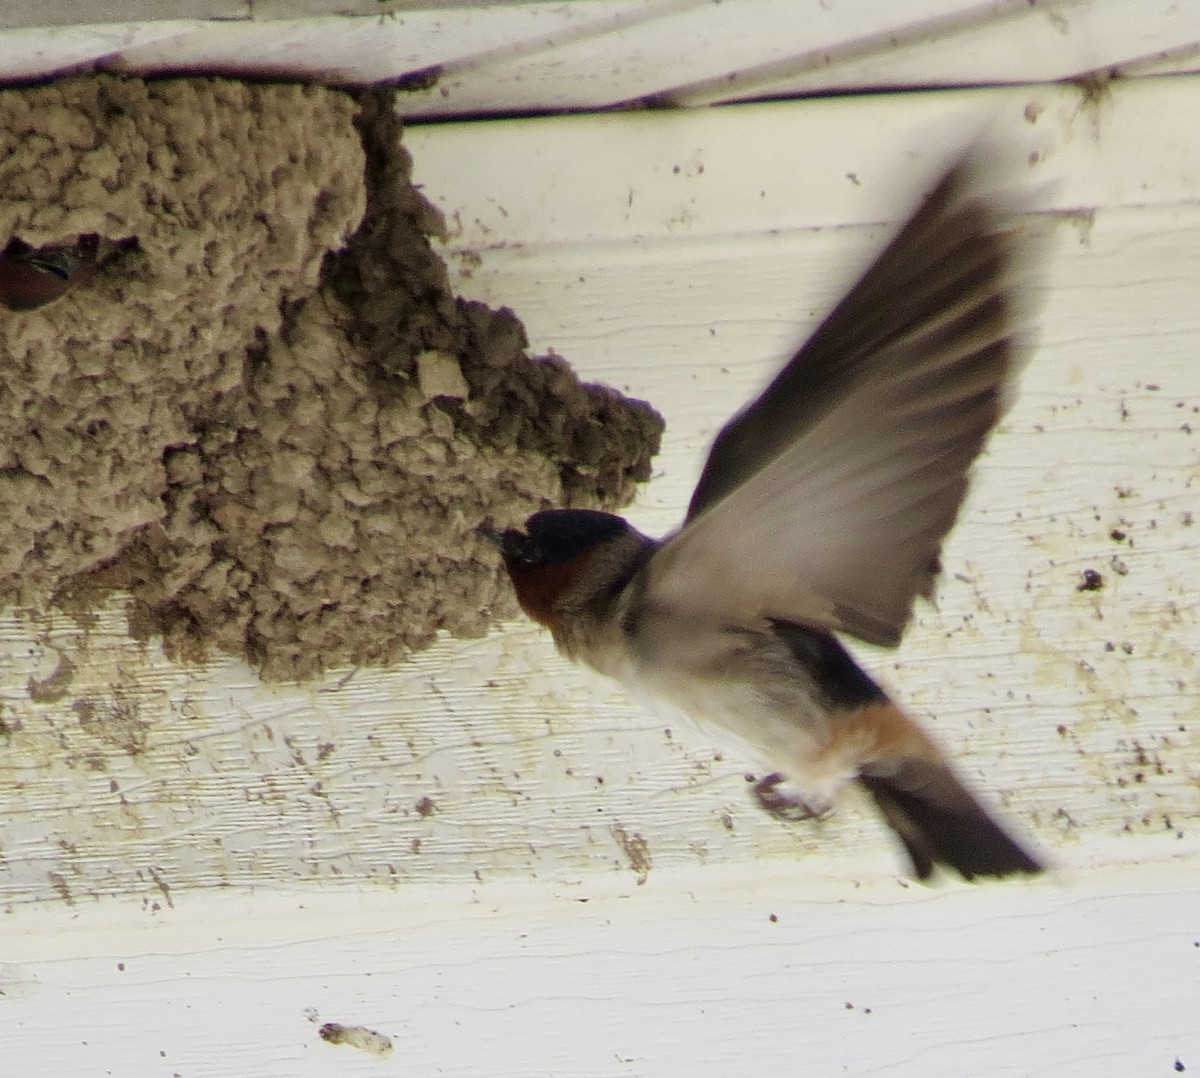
(489, 59)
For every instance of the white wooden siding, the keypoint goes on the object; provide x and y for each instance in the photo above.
(588, 54)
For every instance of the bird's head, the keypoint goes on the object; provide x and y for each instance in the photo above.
(546, 558)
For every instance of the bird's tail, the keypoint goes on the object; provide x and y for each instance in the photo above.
(940, 822)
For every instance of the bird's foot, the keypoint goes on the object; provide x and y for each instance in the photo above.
(786, 804)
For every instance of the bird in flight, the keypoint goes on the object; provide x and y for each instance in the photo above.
(821, 510)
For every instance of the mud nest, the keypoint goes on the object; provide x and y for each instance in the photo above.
(266, 417)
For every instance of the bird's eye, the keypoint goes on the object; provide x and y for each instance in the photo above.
(518, 548)
(530, 553)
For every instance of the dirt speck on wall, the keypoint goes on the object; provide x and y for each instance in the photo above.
(272, 424)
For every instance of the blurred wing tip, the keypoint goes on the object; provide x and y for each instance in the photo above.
(989, 177)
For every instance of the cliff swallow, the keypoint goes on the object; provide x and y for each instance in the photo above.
(821, 509)
(31, 277)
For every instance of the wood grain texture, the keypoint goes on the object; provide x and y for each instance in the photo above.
(705, 972)
(453, 852)
(463, 57)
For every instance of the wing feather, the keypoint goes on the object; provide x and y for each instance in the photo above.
(827, 499)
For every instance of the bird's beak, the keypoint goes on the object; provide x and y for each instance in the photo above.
(491, 534)
(509, 541)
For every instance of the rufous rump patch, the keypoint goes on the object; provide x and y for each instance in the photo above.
(882, 732)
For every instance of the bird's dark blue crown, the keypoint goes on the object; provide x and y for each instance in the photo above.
(559, 534)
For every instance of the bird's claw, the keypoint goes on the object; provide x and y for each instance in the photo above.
(781, 803)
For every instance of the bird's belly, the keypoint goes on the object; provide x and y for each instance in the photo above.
(773, 728)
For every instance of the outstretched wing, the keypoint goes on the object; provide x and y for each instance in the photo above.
(826, 500)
